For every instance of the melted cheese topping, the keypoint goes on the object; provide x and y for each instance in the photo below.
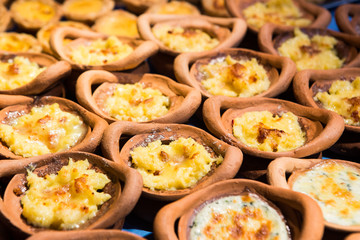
(176, 7)
(35, 10)
(135, 102)
(101, 52)
(185, 39)
(343, 97)
(239, 217)
(15, 43)
(336, 188)
(64, 200)
(44, 130)
(281, 12)
(234, 78)
(268, 132)
(85, 6)
(179, 165)
(17, 72)
(316, 53)
(119, 24)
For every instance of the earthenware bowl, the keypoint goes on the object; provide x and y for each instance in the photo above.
(343, 14)
(278, 169)
(310, 119)
(140, 6)
(184, 100)
(18, 105)
(310, 227)
(215, 8)
(145, 133)
(142, 49)
(123, 197)
(354, 236)
(174, 8)
(187, 68)
(5, 19)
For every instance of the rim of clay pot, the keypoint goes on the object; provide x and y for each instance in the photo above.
(184, 99)
(218, 27)
(304, 93)
(353, 236)
(143, 133)
(213, 8)
(288, 201)
(140, 6)
(95, 125)
(125, 197)
(342, 17)
(55, 71)
(186, 71)
(5, 19)
(278, 169)
(154, 9)
(34, 44)
(320, 16)
(267, 41)
(142, 49)
(318, 138)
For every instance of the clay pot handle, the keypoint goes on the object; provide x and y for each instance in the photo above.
(9, 100)
(265, 38)
(322, 16)
(144, 22)
(301, 86)
(342, 14)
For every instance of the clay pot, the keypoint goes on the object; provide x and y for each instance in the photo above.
(140, 6)
(215, 8)
(110, 213)
(310, 119)
(311, 226)
(354, 236)
(343, 14)
(187, 67)
(5, 19)
(319, 16)
(19, 105)
(145, 133)
(278, 169)
(184, 100)
(142, 49)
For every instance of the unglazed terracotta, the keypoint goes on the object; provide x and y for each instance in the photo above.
(5, 18)
(174, 7)
(311, 226)
(354, 236)
(110, 213)
(140, 6)
(310, 119)
(142, 49)
(186, 68)
(343, 14)
(215, 8)
(184, 100)
(278, 169)
(319, 16)
(30, 43)
(23, 105)
(145, 133)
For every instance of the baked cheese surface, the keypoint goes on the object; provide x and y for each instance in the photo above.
(85, 6)
(35, 10)
(14, 43)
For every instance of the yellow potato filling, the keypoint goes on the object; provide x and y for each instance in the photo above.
(317, 52)
(234, 78)
(45, 129)
(185, 39)
(17, 72)
(120, 26)
(35, 10)
(85, 6)
(343, 97)
(176, 7)
(101, 52)
(179, 165)
(13, 43)
(64, 200)
(269, 132)
(281, 12)
(137, 103)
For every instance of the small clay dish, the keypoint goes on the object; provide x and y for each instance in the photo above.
(184, 100)
(317, 138)
(123, 197)
(354, 236)
(143, 134)
(290, 203)
(319, 16)
(5, 18)
(141, 49)
(347, 18)
(93, 127)
(174, 8)
(215, 8)
(279, 168)
(11, 42)
(187, 68)
(55, 71)
(140, 6)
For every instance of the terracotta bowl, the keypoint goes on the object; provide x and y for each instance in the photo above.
(319, 16)
(215, 8)
(278, 169)
(354, 236)
(19, 105)
(343, 14)
(289, 202)
(140, 6)
(271, 37)
(142, 49)
(5, 19)
(310, 119)
(184, 100)
(123, 197)
(145, 133)
(187, 69)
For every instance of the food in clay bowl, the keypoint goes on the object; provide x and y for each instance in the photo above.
(32, 127)
(5, 18)
(32, 198)
(137, 98)
(235, 73)
(252, 209)
(348, 18)
(215, 8)
(174, 8)
(12, 42)
(332, 183)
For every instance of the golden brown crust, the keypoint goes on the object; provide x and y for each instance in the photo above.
(5, 18)
(12, 42)
(174, 7)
